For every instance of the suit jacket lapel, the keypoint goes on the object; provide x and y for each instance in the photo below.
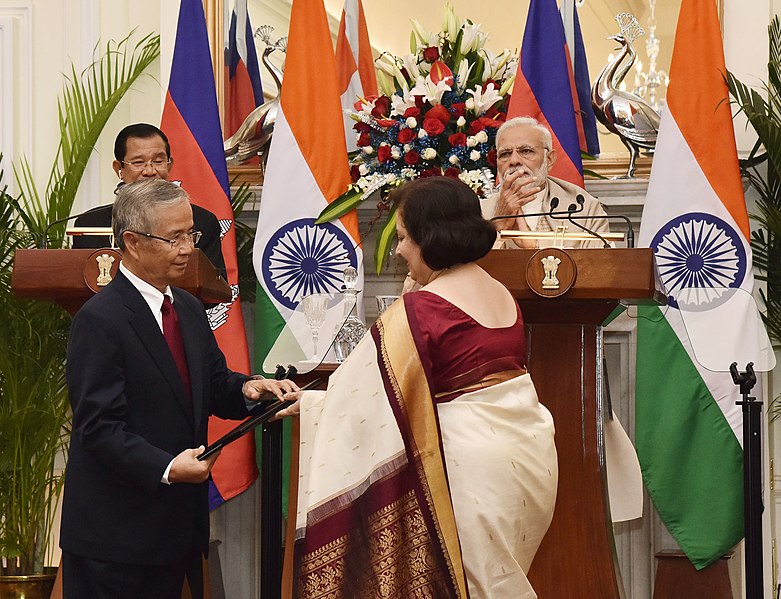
(147, 329)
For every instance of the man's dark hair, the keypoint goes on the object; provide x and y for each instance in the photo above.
(142, 131)
(442, 215)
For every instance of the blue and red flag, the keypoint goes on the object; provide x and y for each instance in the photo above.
(580, 81)
(243, 90)
(191, 120)
(543, 87)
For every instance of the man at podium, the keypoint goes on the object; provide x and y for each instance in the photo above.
(142, 151)
(144, 372)
(524, 156)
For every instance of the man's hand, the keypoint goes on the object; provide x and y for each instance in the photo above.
(518, 189)
(254, 389)
(186, 468)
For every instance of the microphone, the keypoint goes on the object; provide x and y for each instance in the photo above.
(44, 242)
(630, 234)
(553, 204)
(572, 209)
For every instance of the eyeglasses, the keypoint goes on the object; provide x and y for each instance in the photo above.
(527, 153)
(159, 164)
(190, 238)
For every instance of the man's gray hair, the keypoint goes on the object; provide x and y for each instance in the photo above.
(136, 204)
(527, 121)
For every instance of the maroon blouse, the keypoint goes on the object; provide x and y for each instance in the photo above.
(456, 350)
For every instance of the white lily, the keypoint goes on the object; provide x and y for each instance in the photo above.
(400, 102)
(432, 92)
(462, 75)
(411, 66)
(483, 100)
(508, 83)
(423, 35)
(450, 23)
(385, 84)
(472, 38)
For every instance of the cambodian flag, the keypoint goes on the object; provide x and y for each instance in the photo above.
(543, 87)
(191, 120)
(580, 81)
(243, 90)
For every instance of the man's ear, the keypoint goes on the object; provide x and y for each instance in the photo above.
(550, 157)
(117, 166)
(132, 242)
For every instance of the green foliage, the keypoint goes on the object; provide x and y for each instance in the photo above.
(34, 410)
(764, 115)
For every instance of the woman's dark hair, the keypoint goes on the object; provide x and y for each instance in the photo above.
(442, 215)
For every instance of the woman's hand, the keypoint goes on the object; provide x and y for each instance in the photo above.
(293, 410)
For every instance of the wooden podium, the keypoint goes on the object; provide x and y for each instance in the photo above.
(70, 277)
(577, 557)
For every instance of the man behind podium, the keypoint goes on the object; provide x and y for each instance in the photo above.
(144, 373)
(142, 151)
(524, 156)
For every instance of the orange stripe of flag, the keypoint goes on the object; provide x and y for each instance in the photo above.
(365, 58)
(345, 61)
(698, 96)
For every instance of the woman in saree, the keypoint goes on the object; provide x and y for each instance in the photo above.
(428, 468)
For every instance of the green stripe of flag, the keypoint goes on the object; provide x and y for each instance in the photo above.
(691, 460)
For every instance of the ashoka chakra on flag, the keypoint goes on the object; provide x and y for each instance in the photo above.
(698, 250)
(302, 258)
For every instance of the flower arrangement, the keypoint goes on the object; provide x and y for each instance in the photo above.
(438, 114)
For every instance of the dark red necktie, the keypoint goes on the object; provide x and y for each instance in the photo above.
(173, 335)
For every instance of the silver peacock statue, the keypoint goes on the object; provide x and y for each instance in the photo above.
(626, 114)
(254, 135)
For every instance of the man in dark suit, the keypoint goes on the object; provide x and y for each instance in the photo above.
(142, 151)
(142, 386)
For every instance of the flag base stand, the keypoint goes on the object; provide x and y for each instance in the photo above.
(752, 478)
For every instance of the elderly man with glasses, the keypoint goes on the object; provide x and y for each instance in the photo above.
(142, 151)
(524, 156)
(144, 373)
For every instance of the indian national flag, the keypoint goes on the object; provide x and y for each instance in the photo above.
(689, 430)
(306, 170)
(354, 63)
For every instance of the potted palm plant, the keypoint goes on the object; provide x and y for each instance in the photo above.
(34, 410)
(763, 172)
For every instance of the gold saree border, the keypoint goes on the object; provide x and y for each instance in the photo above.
(402, 362)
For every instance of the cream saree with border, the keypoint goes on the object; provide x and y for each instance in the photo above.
(399, 497)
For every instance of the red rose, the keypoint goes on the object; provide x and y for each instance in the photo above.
(440, 113)
(412, 111)
(384, 153)
(355, 173)
(381, 107)
(457, 139)
(364, 140)
(452, 172)
(431, 54)
(406, 135)
(475, 127)
(493, 123)
(361, 127)
(458, 109)
(491, 157)
(430, 172)
(433, 126)
(411, 157)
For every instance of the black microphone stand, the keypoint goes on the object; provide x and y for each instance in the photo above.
(630, 233)
(752, 478)
(572, 209)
